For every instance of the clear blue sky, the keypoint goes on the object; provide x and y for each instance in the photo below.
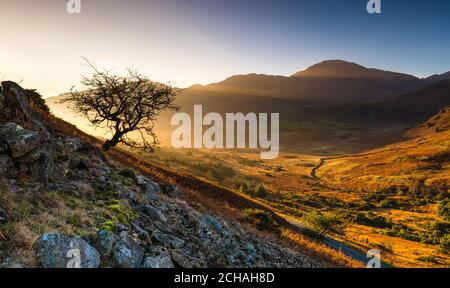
(204, 41)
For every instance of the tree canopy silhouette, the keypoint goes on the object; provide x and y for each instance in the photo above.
(123, 104)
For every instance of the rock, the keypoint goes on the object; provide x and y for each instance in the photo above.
(11, 264)
(45, 168)
(141, 180)
(74, 144)
(151, 189)
(30, 158)
(78, 164)
(2, 215)
(19, 140)
(104, 242)
(60, 251)
(155, 214)
(171, 190)
(6, 163)
(127, 254)
(157, 262)
(185, 261)
(3, 146)
(168, 240)
(16, 98)
(140, 232)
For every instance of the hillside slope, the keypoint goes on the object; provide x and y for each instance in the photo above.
(421, 164)
(60, 192)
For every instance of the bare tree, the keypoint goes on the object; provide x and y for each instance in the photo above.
(123, 104)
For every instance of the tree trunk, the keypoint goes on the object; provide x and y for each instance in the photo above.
(112, 142)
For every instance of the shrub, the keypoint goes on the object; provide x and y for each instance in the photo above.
(389, 203)
(323, 224)
(260, 191)
(372, 220)
(263, 220)
(243, 188)
(444, 209)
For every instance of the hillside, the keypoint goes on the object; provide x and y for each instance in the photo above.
(421, 163)
(59, 192)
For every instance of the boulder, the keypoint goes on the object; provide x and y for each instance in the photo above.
(104, 242)
(20, 141)
(157, 262)
(59, 251)
(126, 253)
(16, 98)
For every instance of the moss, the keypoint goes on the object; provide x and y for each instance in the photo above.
(120, 213)
(117, 177)
(108, 226)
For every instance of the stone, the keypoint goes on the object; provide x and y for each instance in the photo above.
(155, 214)
(126, 253)
(74, 144)
(168, 240)
(11, 264)
(78, 164)
(59, 251)
(16, 98)
(6, 163)
(2, 215)
(45, 168)
(157, 262)
(104, 242)
(19, 140)
(151, 189)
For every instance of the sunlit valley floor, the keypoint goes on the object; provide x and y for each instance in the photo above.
(380, 194)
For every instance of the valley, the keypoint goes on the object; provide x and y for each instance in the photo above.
(367, 166)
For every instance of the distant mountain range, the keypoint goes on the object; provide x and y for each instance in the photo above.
(333, 105)
(332, 81)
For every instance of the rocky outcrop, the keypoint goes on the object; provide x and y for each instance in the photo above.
(24, 148)
(59, 251)
(16, 100)
(19, 142)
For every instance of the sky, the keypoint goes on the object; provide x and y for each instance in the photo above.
(187, 42)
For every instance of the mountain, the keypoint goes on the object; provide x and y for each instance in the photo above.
(347, 70)
(333, 81)
(439, 77)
